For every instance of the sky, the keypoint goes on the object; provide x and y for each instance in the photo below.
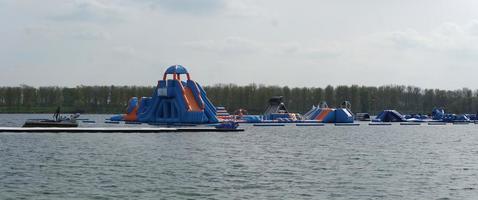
(311, 43)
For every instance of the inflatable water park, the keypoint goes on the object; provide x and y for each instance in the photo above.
(177, 99)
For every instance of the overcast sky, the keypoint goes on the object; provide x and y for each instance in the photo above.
(426, 43)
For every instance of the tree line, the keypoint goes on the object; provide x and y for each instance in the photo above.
(253, 97)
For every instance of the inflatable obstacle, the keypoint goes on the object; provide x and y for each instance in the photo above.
(222, 114)
(416, 117)
(174, 100)
(439, 114)
(362, 116)
(276, 110)
(324, 114)
(250, 119)
(389, 116)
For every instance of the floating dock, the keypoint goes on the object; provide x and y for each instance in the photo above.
(111, 130)
(112, 122)
(309, 124)
(346, 124)
(436, 123)
(128, 122)
(411, 123)
(268, 124)
(380, 124)
(461, 123)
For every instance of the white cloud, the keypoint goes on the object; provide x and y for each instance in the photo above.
(307, 51)
(52, 32)
(39, 30)
(91, 35)
(408, 39)
(96, 11)
(230, 45)
(247, 9)
(243, 8)
(473, 28)
(447, 38)
(189, 6)
(125, 50)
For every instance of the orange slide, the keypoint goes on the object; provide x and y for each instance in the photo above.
(323, 114)
(188, 93)
(131, 116)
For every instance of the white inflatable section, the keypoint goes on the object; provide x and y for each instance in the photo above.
(347, 112)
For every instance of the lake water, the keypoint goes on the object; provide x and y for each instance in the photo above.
(365, 162)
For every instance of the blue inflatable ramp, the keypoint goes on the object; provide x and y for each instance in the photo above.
(390, 116)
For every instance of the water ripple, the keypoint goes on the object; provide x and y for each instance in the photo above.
(262, 163)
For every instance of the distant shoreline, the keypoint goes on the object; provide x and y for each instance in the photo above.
(253, 98)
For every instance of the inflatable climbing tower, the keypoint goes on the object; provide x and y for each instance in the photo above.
(174, 100)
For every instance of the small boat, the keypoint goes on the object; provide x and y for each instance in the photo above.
(57, 121)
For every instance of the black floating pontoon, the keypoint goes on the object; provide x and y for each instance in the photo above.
(50, 123)
(57, 121)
